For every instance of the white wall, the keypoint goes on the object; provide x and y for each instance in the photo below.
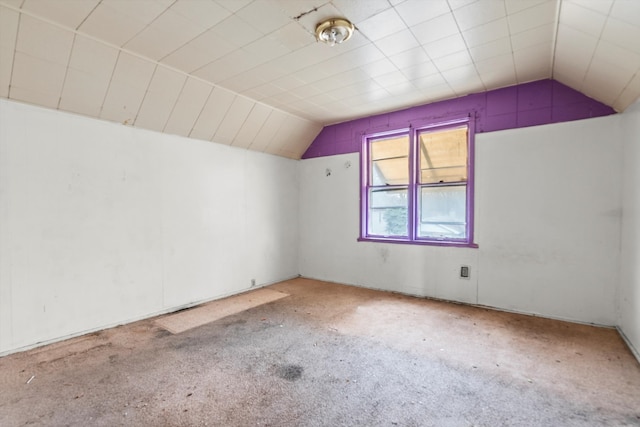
(629, 295)
(548, 209)
(102, 224)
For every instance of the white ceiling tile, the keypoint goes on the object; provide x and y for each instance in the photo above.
(13, 3)
(461, 74)
(288, 82)
(212, 114)
(262, 16)
(457, 4)
(626, 10)
(202, 50)
(361, 56)
(266, 49)
(69, 13)
(414, 12)
(122, 103)
(42, 40)
(400, 89)
(117, 21)
(165, 34)
(233, 120)
(282, 99)
(420, 70)
(467, 86)
(519, 5)
(8, 35)
(251, 126)
(292, 36)
(289, 69)
(233, 5)
(454, 60)
(391, 79)
(382, 25)
(573, 54)
(439, 92)
(479, 13)
(307, 91)
(357, 12)
(486, 33)
(243, 81)
(6, 65)
(409, 58)
(93, 57)
(495, 63)
(492, 49)
(83, 92)
(36, 81)
(90, 69)
(498, 78)
(229, 65)
(574, 50)
(435, 29)
(129, 83)
(600, 6)
(264, 72)
(565, 74)
(427, 82)
(398, 42)
(133, 71)
(295, 133)
(533, 36)
(267, 90)
(616, 56)
(8, 27)
(533, 17)
(203, 13)
(446, 46)
(605, 83)
(629, 95)
(32, 96)
(309, 75)
(533, 63)
(379, 67)
(188, 107)
(160, 99)
(622, 34)
(583, 19)
(269, 129)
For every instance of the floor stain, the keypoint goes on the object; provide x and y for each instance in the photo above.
(290, 372)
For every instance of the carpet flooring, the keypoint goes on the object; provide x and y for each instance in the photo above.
(331, 355)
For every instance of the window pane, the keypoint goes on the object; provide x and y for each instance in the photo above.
(388, 212)
(443, 156)
(442, 212)
(390, 161)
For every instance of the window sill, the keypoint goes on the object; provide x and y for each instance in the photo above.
(419, 242)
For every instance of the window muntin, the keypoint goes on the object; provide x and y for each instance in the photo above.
(415, 185)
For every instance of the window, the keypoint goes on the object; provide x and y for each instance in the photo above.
(417, 185)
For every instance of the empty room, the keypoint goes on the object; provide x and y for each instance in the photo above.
(320, 213)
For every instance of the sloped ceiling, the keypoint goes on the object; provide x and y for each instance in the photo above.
(249, 73)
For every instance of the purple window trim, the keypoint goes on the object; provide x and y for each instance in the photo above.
(413, 187)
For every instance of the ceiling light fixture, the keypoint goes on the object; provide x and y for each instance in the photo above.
(334, 31)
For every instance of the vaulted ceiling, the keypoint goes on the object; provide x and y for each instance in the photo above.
(250, 73)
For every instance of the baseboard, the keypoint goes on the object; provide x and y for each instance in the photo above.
(627, 341)
(139, 318)
(488, 307)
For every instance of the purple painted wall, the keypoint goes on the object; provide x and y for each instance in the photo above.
(529, 104)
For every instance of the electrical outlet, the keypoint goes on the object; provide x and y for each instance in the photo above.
(465, 272)
(253, 282)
